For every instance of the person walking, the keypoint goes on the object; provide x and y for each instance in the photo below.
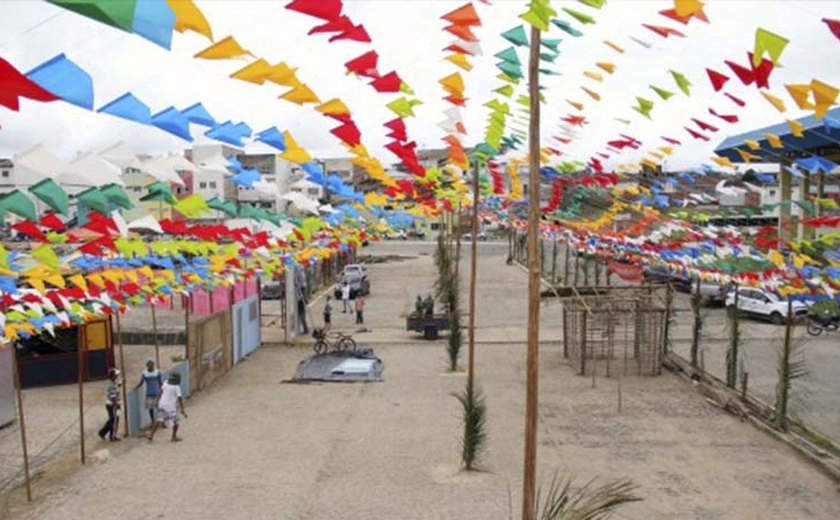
(360, 309)
(169, 402)
(345, 298)
(327, 314)
(153, 380)
(112, 405)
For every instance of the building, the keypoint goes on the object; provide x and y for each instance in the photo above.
(274, 171)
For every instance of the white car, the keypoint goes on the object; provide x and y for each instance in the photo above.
(355, 270)
(763, 304)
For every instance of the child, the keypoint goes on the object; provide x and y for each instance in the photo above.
(112, 405)
(360, 308)
(168, 403)
(345, 298)
(327, 314)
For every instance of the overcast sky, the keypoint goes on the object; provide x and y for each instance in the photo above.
(408, 36)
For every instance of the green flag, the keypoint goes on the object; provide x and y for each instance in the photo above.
(52, 195)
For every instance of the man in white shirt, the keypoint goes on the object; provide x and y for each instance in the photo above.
(345, 298)
(168, 403)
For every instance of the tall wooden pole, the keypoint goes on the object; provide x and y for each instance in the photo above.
(532, 386)
(456, 297)
(22, 422)
(81, 362)
(473, 255)
(125, 374)
(154, 331)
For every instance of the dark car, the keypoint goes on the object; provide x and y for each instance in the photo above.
(358, 285)
(663, 274)
(273, 290)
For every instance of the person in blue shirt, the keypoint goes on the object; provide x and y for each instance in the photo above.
(154, 381)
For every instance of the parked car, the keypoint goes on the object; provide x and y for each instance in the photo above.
(763, 304)
(358, 285)
(663, 274)
(273, 289)
(355, 269)
(481, 237)
(399, 235)
(711, 293)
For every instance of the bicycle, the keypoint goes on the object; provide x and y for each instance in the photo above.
(336, 341)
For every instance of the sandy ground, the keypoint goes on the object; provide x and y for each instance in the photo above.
(256, 447)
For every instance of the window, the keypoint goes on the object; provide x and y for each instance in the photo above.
(5, 174)
(313, 191)
(772, 193)
(202, 185)
(212, 184)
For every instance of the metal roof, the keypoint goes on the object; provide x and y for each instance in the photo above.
(815, 135)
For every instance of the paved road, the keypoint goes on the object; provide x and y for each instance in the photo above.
(257, 448)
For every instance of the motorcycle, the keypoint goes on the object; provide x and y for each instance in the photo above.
(816, 325)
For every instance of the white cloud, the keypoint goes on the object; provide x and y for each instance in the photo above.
(409, 38)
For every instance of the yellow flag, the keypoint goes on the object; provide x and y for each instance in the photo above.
(753, 144)
(460, 61)
(254, 72)
(824, 96)
(282, 74)
(188, 17)
(333, 106)
(800, 94)
(609, 68)
(301, 94)
(796, 128)
(774, 140)
(593, 95)
(593, 75)
(777, 103)
(223, 50)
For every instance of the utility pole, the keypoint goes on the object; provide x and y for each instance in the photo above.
(532, 386)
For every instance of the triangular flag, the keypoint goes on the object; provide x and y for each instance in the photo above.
(776, 102)
(717, 79)
(796, 128)
(222, 50)
(768, 42)
(682, 82)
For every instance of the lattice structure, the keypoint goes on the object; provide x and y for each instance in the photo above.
(618, 331)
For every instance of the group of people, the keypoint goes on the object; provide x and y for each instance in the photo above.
(424, 307)
(358, 306)
(162, 401)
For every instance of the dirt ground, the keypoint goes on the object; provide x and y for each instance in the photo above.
(256, 447)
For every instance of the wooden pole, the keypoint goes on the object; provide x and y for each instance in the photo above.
(473, 257)
(457, 285)
(124, 373)
(532, 382)
(22, 422)
(80, 343)
(154, 332)
(187, 328)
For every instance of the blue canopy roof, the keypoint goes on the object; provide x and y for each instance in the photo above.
(817, 134)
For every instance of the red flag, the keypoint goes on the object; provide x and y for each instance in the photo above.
(663, 31)
(728, 118)
(704, 126)
(696, 135)
(390, 82)
(734, 99)
(50, 220)
(349, 133)
(364, 65)
(833, 26)
(28, 228)
(357, 34)
(13, 85)
(333, 26)
(323, 9)
(397, 127)
(670, 140)
(717, 79)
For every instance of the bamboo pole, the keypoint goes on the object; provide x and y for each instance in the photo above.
(154, 332)
(80, 372)
(22, 422)
(473, 257)
(532, 383)
(124, 374)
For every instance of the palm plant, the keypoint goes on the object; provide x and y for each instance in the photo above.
(455, 341)
(443, 262)
(474, 442)
(791, 366)
(589, 502)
